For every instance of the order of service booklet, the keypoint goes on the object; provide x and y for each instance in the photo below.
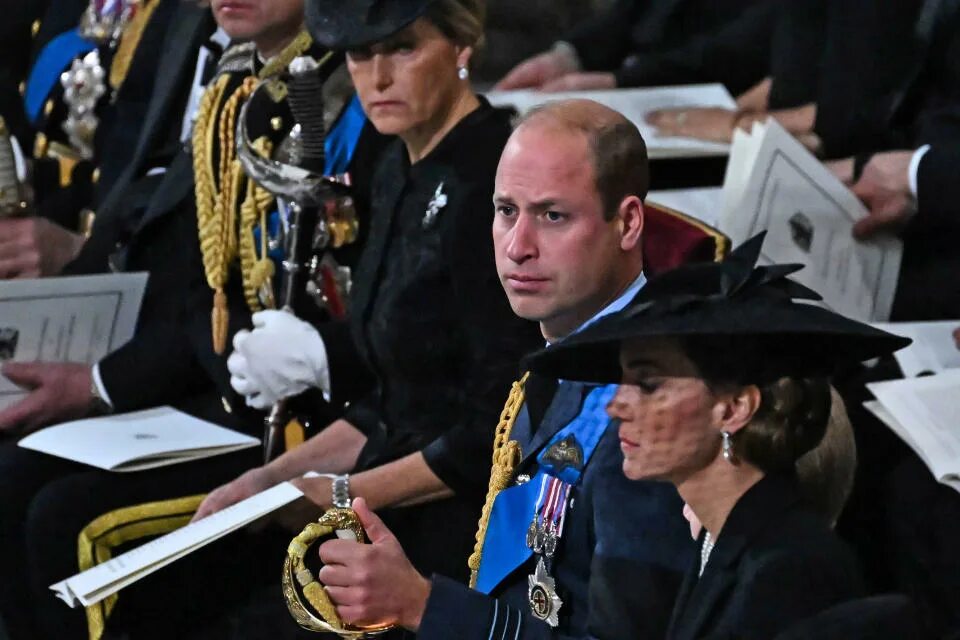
(138, 440)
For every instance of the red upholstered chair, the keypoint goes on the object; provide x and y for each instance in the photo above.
(671, 238)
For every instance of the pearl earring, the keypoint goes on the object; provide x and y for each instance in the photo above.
(463, 73)
(728, 447)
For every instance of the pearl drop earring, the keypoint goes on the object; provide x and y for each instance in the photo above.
(463, 73)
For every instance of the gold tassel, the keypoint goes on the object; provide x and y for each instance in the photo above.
(506, 457)
(220, 321)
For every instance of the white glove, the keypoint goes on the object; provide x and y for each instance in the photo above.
(281, 357)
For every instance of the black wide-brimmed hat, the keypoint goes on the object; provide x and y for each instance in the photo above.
(762, 324)
(347, 24)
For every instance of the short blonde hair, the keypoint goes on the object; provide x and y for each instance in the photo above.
(826, 472)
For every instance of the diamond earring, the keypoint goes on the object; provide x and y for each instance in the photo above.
(728, 447)
(463, 73)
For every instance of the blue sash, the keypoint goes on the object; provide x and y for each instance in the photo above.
(55, 57)
(341, 140)
(505, 547)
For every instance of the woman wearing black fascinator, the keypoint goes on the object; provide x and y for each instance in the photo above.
(724, 384)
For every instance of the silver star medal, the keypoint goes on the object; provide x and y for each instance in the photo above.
(542, 593)
(437, 202)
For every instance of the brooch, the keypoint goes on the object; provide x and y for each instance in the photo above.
(437, 202)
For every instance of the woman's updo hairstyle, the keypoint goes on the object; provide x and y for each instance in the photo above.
(462, 21)
(790, 421)
(793, 412)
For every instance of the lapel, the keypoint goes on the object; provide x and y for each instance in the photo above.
(701, 601)
(176, 185)
(188, 29)
(385, 212)
(564, 408)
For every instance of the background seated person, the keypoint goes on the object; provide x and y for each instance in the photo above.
(723, 388)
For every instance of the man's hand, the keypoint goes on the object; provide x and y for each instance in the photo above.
(582, 81)
(708, 123)
(373, 583)
(884, 187)
(33, 247)
(281, 357)
(842, 169)
(249, 483)
(58, 391)
(956, 337)
(535, 72)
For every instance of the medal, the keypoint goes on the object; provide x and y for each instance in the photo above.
(543, 537)
(542, 594)
(104, 20)
(437, 202)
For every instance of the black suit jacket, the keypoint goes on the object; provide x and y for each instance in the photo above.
(631, 29)
(621, 557)
(775, 562)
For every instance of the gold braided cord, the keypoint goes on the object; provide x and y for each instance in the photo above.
(95, 544)
(205, 192)
(279, 62)
(218, 194)
(506, 457)
(129, 42)
(257, 270)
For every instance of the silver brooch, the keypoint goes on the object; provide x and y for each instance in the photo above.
(437, 202)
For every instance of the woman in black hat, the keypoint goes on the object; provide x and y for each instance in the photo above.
(428, 316)
(724, 386)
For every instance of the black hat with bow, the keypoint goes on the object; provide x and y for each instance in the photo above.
(348, 24)
(764, 325)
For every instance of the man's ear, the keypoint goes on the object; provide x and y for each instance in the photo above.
(630, 222)
(736, 409)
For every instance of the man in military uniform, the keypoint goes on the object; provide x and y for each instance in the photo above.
(567, 234)
(172, 358)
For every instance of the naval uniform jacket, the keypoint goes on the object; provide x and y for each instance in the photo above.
(428, 315)
(774, 563)
(631, 532)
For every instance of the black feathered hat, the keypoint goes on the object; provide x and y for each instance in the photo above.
(347, 24)
(766, 320)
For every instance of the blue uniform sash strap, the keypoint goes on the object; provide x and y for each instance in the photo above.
(565, 456)
(341, 140)
(53, 60)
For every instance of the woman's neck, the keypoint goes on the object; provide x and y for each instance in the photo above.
(420, 141)
(713, 491)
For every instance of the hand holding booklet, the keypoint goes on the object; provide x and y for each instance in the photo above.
(93, 585)
(138, 440)
(775, 184)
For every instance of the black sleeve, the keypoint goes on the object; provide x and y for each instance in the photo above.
(603, 41)
(737, 55)
(496, 341)
(156, 367)
(796, 53)
(938, 191)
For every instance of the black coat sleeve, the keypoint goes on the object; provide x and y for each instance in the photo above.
(737, 55)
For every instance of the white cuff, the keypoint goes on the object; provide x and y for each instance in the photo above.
(914, 167)
(101, 389)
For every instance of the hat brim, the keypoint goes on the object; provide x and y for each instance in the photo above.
(350, 24)
(790, 342)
